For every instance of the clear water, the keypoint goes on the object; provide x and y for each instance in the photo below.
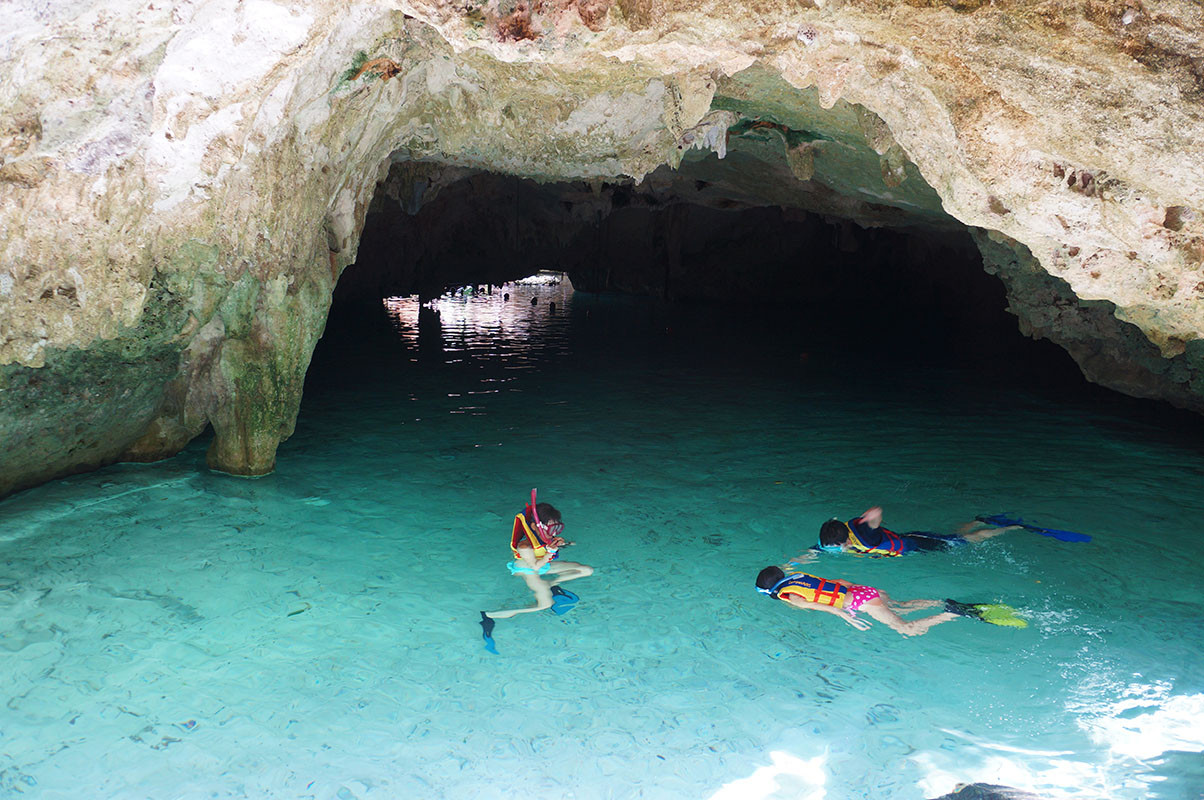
(170, 633)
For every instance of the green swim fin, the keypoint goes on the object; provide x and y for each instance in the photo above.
(992, 613)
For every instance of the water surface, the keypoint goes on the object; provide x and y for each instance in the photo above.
(171, 633)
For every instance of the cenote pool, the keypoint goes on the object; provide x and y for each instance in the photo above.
(172, 633)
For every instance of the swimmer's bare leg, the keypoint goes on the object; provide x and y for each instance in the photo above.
(987, 531)
(568, 571)
(916, 627)
(906, 606)
(543, 598)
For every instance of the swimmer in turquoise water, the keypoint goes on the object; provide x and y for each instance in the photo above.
(845, 600)
(536, 541)
(864, 535)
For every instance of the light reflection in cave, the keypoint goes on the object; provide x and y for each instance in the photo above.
(499, 322)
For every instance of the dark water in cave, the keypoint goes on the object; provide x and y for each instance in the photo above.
(173, 633)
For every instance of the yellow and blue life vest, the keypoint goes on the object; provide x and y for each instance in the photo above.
(889, 543)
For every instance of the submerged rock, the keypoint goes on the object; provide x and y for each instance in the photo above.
(987, 791)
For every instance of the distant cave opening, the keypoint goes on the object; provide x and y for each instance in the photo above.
(916, 294)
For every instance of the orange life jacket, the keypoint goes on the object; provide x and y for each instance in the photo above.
(814, 589)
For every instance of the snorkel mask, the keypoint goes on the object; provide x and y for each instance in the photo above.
(772, 591)
(546, 531)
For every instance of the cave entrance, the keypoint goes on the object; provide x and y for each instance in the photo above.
(790, 216)
(686, 239)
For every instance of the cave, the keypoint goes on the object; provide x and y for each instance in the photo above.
(897, 294)
(316, 320)
(901, 290)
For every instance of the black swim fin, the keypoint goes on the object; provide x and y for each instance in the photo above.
(487, 623)
(991, 613)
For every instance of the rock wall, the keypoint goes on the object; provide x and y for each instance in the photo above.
(181, 186)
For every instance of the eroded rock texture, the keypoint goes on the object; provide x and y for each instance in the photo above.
(182, 186)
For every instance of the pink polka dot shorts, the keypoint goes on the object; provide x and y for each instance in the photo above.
(859, 596)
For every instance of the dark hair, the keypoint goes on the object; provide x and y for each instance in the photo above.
(833, 532)
(768, 577)
(547, 513)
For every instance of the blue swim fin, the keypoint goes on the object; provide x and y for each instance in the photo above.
(563, 600)
(487, 624)
(1003, 520)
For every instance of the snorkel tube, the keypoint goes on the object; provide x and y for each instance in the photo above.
(546, 532)
(535, 513)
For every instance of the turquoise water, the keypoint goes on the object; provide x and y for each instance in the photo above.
(171, 633)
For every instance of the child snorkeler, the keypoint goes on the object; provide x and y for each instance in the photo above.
(845, 599)
(864, 535)
(535, 541)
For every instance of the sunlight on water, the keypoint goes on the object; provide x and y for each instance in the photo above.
(1033, 772)
(1168, 723)
(802, 779)
(166, 632)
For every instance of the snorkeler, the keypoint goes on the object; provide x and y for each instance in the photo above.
(535, 541)
(845, 599)
(864, 535)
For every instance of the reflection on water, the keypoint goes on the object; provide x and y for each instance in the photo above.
(509, 324)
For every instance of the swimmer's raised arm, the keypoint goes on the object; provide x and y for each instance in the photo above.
(872, 516)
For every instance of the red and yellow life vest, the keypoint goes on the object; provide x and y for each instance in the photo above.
(814, 589)
(891, 544)
(522, 533)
